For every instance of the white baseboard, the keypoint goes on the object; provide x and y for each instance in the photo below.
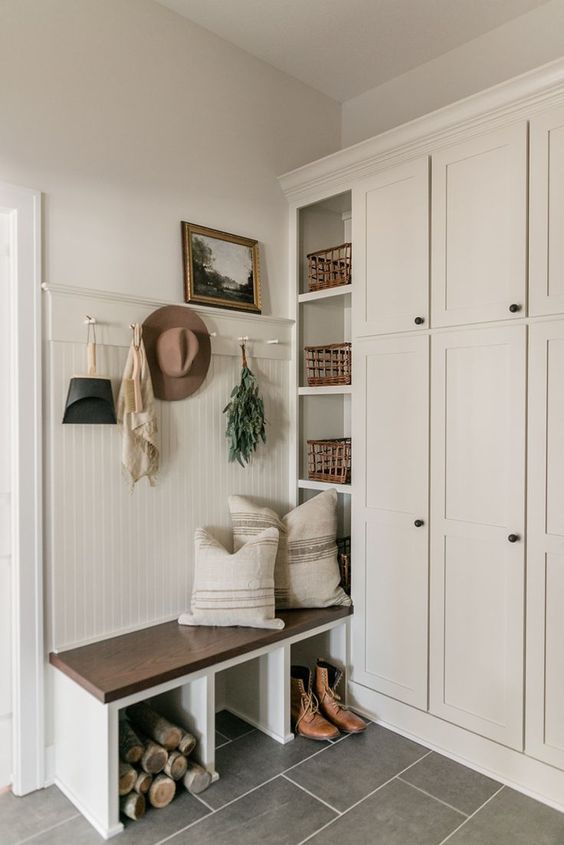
(512, 768)
(246, 718)
(106, 833)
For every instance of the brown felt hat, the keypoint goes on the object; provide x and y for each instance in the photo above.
(178, 351)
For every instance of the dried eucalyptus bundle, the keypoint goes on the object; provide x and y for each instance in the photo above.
(245, 416)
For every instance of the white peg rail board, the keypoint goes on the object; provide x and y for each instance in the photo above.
(116, 560)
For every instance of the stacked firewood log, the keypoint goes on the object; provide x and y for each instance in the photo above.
(154, 758)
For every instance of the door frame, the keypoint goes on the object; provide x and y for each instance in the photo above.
(28, 749)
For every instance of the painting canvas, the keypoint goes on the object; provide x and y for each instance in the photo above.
(220, 269)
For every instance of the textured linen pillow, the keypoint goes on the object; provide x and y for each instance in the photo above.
(234, 589)
(307, 571)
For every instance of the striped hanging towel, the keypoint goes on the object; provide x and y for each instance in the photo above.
(137, 416)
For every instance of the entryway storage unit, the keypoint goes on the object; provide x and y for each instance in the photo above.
(457, 424)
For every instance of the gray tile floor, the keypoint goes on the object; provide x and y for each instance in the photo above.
(373, 789)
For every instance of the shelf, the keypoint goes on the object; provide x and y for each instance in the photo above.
(326, 390)
(328, 293)
(305, 484)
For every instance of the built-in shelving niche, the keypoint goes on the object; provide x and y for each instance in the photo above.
(324, 317)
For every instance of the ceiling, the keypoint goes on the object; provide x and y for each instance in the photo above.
(345, 47)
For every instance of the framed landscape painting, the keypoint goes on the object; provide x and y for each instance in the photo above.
(220, 269)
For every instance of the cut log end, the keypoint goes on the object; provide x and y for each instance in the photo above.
(132, 805)
(161, 791)
(127, 778)
(196, 779)
(187, 743)
(130, 746)
(143, 782)
(176, 765)
(154, 758)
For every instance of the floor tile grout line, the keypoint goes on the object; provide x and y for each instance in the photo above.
(47, 829)
(249, 791)
(434, 797)
(471, 816)
(201, 800)
(370, 794)
(312, 795)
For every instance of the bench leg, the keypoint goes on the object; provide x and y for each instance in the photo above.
(193, 706)
(259, 692)
(86, 754)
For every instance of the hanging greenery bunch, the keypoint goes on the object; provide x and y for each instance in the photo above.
(245, 416)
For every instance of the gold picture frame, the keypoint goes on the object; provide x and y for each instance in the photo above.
(220, 269)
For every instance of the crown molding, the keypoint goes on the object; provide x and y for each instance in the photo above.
(508, 102)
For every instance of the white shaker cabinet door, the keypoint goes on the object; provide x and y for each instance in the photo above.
(545, 554)
(477, 523)
(391, 250)
(479, 229)
(546, 219)
(390, 504)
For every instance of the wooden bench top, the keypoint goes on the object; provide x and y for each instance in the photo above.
(130, 663)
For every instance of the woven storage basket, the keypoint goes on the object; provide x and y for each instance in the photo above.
(344, 558)
(327, 365)
(329, 268)
(329, 460)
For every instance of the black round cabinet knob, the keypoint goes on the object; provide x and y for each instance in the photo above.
(513, 538)
(418, 523)
(514, 308)
(419, 321)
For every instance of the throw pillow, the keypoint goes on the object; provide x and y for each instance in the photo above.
(234, 589)
(307, 571)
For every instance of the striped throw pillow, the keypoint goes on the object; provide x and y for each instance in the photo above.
(307, 571)
(234, 589)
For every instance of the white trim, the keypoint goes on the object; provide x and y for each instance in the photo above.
(515, 100)
(513, 768)
(24, 206)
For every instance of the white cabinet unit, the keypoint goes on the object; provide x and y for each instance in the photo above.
(390, 489)
(391, 250)
(546, 219)
(545, 560)
(479, 219)
(477, 522)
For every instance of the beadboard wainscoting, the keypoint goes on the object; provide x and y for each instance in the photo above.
(119, 560)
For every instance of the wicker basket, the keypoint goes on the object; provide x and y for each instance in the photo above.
(329, 460)
(326, 365)
(344, 558)
(329, 268)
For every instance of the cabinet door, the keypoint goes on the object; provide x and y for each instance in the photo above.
(545, 548)
(391, 250)
(390, 493)
(546, 219)
(479, 226)
(477, 522)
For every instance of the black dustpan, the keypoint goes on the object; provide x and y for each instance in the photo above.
(90, 399)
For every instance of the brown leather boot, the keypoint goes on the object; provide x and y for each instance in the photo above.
(306, 717)
(327, 679)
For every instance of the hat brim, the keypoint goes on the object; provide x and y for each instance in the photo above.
(166, 387)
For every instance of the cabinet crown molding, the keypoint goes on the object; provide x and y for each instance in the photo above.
(505, 103)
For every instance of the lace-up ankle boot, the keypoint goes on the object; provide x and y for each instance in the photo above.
(327, 678)
(306, 718)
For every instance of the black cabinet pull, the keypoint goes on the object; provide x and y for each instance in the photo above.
(419, 321)
(418, 523)
(514, 308)
(513, 538)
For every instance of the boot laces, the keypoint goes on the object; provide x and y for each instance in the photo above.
(310, 706)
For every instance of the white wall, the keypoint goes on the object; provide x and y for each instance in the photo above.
(5, 510)
(129, 118)
(514, 48)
